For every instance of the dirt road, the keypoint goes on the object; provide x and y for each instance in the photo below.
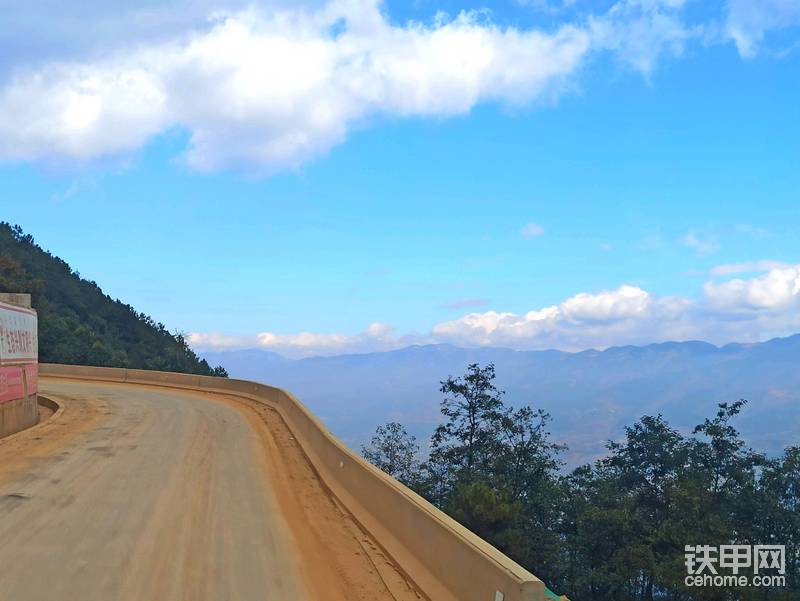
(149, 493)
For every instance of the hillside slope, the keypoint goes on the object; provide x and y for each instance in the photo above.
(79, 324)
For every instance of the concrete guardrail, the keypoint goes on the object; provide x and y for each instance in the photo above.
(445, 560)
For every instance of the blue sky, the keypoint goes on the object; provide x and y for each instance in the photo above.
(531, 176)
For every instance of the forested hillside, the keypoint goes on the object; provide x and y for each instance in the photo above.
(81, 325)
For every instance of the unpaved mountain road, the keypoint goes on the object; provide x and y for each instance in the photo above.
(138, 493)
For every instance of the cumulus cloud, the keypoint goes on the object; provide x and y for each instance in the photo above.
(81, 111)
(626, 315)
(273, 86)
(274, 90)
(738, 309)
(778, 289)
(734, 310)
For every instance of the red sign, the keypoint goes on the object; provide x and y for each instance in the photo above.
(17, 381)
(19, 352)
(32, 377)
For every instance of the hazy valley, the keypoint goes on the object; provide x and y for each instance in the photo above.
(591, 395)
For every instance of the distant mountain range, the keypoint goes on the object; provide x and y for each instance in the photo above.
(591, 395)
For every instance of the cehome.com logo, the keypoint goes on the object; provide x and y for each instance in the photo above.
(744, 565)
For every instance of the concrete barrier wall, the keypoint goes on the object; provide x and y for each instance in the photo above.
(19, 348)
(18, 414)
(447, 561)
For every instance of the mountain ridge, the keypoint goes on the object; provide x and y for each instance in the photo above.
(447, 345)
(591, 394)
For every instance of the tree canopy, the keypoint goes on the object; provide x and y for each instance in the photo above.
(616, 529)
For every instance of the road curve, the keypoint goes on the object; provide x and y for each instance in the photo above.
(152, 493)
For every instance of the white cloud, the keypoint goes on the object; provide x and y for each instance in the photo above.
(272, 91)
(743, 310)
(626, 315)
(75, 187)
(748, 21)
(779, 289)
(531, 230)
(641, 31)
(271, 88)
(377, 337)
(703, 245)
(378, 330)
(80, 111)
(746, 267)
(626, 301)
(220, 341)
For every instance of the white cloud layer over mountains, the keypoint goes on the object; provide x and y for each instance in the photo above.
(268, 89)
(732, 310)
